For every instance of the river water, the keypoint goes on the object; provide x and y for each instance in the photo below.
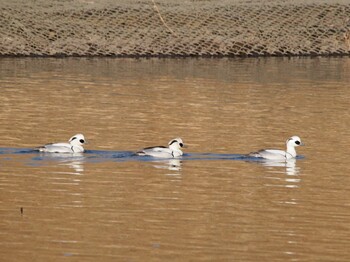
(213, 204)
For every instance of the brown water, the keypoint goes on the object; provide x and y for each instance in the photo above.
(212, 205)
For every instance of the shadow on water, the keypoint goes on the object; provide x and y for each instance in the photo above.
(116, 156)
(97, 156)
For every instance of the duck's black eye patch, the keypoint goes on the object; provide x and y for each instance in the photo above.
(82, 141)
(181, 144)
(297, 142)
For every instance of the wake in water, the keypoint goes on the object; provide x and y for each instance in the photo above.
(34, 158)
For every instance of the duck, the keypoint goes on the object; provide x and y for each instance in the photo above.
(74, 145)
(275, 154)
(172, 151)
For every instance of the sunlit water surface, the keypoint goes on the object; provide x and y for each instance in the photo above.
(213, 204)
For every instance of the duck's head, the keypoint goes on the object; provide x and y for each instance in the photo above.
(294, 141)
(77, 140)
(176, 144)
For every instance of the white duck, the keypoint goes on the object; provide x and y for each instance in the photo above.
(172, 151)
(275, 154)
(75, 145)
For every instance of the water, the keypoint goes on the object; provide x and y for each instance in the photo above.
(213, 204)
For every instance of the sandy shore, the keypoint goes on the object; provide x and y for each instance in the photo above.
(178, 28)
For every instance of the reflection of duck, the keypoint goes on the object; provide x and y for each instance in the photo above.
(289, 164)
(74, 161)
(77, 165)
(75, 145)
(171, 164)
(172, 151)
(274, 154)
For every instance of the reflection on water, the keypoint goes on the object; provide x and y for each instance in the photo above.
(170, 164)
(74, 161)
(288, 166)
(213, 204)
